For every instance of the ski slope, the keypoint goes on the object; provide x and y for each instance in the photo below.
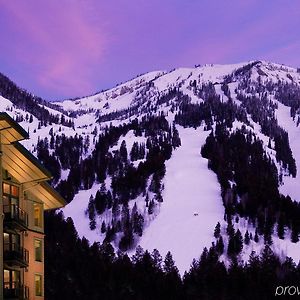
(291, 185)
(192, 204)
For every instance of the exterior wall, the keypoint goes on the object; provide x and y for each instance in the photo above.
(35, 267)
(34, 232)
(27, 202)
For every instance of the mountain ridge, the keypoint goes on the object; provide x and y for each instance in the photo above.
(154, 115)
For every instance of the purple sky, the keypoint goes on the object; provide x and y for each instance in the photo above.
(59, 49)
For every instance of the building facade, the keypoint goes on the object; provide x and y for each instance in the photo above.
(25, 195)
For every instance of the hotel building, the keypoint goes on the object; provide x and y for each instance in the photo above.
(24, 194)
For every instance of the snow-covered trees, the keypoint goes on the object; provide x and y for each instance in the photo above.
(237, 157)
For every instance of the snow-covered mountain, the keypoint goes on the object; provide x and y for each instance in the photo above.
(146, 163)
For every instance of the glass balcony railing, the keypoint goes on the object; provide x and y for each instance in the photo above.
(15, 217)
(14, 290)
(15, 255)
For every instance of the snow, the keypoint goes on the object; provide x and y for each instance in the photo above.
(5, 104)
(64, 174)
(55, 112)
(215, 73)
(172, 78)
(184, 222)
(291, 185)
(192, 204)
(286, 248)
(113, 98)
(122, 96)
(275, 72)
(129, 139)
(283, 248)
(76, 210)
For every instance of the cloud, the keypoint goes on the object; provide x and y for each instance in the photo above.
(58, 41)
(69, 48)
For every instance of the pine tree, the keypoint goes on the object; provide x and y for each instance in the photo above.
(294, 234)
(247, 238)
(176, 142)
(280, 227)
(142, 151)
(125, 217)
(268, 238)
(217, 230)
(230, 229)
(138, 256)
(147, 200)
(239, 241)
(134, 210)
(90, 211)
(269, 144)
(103, 227)
(134, 152)
(92, 224)
(116, 209)
(127, 240)
(220, 246)
(256, 238)
(138, 224)
(110, 234)
(235, 244)
(151, 207)
(157, 259)
(159, 197)
(123, 151)
(169, 264)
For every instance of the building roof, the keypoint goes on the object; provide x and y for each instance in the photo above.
(51, 198)
(10, 130)
(24, 166)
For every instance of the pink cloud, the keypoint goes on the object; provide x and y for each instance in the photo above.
(60, 41)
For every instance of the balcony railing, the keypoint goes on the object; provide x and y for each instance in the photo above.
(14, 290)
(15, 217)
(15, 255)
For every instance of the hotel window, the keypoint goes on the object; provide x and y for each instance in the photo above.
(38, 279)
(38, 248)
(6, 188)
(10, 194)
(11, 241)
(38, 217)
(11, 279)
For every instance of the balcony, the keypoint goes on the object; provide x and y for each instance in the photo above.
(15, 217)
(15, 291)
(14, 255)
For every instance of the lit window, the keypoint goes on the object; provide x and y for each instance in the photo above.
(38, 250)
(37, 215)
(11, 279)
(5, 237)
(38, 279)
(6, 277)
(6, 188)
(10, 190)
(14, 191)
(10, 194)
